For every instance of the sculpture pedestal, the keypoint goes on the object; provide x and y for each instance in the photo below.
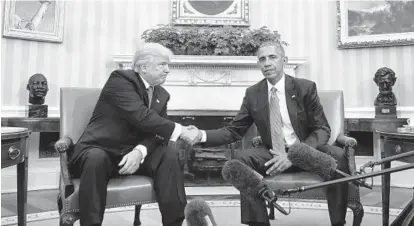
(385, 111)
(37, 111)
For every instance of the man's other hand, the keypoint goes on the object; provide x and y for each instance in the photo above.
(191, 135)
(130, 162)
(278, 163)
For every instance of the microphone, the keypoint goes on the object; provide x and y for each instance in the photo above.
(198, 213)
(312, 160)
(249, 182)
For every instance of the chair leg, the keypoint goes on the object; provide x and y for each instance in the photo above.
(358, 211)
(137, 221)
(59, 203)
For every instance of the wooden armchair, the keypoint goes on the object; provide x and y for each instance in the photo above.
(76, 106)
(333, 105)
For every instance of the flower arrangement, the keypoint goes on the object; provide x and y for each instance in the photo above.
(223, 41)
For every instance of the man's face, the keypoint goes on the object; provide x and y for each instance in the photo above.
(385, 84)
(38, 86)
(271, 61)
(157, 70)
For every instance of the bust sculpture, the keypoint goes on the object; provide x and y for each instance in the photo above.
(385, 79)
(37, 87)
(386, 102)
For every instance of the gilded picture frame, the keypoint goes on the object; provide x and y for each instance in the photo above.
(374, 23)
(214, 12)
(34, 20)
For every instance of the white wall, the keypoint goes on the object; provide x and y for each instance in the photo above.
(96, 30)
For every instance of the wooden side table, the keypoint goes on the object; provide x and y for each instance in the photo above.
(371, 125)
(14, 151)
(392, 142)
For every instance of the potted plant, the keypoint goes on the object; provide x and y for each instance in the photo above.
(212, 41)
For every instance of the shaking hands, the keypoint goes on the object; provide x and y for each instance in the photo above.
(191, 135)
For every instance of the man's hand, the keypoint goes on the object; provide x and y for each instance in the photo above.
(191, 135)
(130, 162)
(278, 163)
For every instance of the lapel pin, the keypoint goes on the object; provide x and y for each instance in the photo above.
(158, 101)
(293, 96)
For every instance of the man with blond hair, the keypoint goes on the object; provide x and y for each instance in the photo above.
(129, 133)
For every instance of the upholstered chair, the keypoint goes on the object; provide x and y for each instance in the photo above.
(333, 106)
(76, 106)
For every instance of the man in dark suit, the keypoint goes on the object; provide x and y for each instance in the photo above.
(129, 133)
(286, 111)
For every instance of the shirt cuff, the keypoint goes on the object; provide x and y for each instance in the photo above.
(143, 151)
(203, 136)
(176, 133)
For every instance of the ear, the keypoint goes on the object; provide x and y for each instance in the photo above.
(285, 59)
(143, 68)
(27, 87)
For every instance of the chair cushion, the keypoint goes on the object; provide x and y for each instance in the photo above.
(297, 179)
(122, 191)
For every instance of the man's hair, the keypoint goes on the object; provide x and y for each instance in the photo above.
(382, 72)
(276, 44)
(146, 52)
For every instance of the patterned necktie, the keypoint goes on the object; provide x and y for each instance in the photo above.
(150, 91)
(276, 123)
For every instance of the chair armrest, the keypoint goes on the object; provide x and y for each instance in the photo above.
(349, 144)
(257, 141)
(63, 144)
(346, 141)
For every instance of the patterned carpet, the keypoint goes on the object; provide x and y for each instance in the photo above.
(42, 208)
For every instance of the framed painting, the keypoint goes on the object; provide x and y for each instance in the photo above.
(214, 12)
(34, 20)
(374, 23)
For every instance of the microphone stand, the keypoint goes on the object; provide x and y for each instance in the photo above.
(388, 159)
(358, 177)
(346, 179)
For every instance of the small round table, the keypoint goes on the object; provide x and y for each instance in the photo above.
(14, 148)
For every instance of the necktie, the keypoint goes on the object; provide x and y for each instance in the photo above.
(276, 123)
(150, 91)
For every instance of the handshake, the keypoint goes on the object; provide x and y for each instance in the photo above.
(191, 135)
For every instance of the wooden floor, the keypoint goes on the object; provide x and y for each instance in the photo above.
(45, 200)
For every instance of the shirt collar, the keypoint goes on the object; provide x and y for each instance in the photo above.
(145, 82)
(280, 85)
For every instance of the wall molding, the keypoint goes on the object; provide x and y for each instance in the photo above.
(362, 112)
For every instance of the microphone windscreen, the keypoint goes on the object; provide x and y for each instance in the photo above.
(242, 177)
(198, 213)
(312, 160)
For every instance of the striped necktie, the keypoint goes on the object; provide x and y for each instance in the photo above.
(276, 122)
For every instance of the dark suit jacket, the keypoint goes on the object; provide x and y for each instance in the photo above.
(121, 118)
(305, 111)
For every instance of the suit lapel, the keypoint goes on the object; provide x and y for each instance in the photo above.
(157, 102)
(142, 91)
(292, 106)
(263, 103)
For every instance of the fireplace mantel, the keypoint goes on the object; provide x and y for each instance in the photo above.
(124, 61)
(199, 83)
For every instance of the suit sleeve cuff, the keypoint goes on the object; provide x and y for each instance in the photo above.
(203, 136)
(143, 151)
(176, 133)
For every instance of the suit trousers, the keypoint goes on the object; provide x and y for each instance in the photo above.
(253, 212)
(95, 167)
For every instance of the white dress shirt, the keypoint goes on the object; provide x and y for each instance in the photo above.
(176, 133)
(290, 135)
